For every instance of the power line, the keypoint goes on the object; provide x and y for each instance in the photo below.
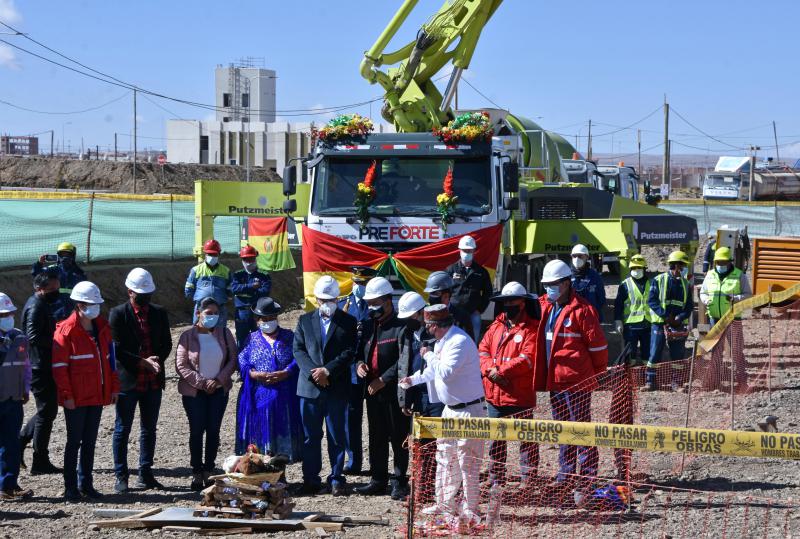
(68, 112)
(481, 94)
(678, 114)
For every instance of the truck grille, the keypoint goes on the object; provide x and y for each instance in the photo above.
(556, 208)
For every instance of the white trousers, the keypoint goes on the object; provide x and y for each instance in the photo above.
(458, 464)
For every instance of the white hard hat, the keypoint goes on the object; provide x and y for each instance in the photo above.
(409, 303)
(467, 242)
(378, 287)
(580, 249)
(555, 270)
(326, 287)
(512, 290)
(140, 281)
(86, 292)
(6, 305)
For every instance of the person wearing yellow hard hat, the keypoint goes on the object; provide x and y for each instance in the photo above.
(723, 286)
(671, 305)
(62, 264)
(631, 313)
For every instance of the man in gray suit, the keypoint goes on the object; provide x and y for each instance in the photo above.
(324, 349)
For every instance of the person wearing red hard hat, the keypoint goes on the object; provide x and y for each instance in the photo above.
(248, 285)
(209, 279)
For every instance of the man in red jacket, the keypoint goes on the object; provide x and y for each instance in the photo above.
(507, 353)
(571, 351)
(84, 371)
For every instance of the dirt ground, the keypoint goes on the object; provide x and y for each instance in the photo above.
(46, 515)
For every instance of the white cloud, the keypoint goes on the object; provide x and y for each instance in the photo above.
(9, 13)
(8, 58)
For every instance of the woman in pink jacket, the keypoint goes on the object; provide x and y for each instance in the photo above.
(205, 361)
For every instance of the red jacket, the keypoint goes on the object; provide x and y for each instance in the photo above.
(579, 349)
(83, 372)
(513, 352)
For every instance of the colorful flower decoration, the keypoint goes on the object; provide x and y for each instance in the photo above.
(469, 127)
(446, 200)
(365, 193)
(342, 127)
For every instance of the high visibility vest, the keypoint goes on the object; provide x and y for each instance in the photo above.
(720, 289)
(636, 309)
(661, 284)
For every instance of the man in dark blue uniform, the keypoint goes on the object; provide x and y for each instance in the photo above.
(587, 282)
(355, 305)
(248, 285)
(69, 274)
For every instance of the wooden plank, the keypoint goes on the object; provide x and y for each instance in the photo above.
(107, 512)
(183, 516)
(225, 531)
(327, 526)
(321, 532)
(312, 517)
(189, 529)
(124, 523)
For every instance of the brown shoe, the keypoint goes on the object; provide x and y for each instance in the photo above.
(16, 494)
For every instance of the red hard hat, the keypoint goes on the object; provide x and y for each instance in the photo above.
(212, 247)
(248, 251)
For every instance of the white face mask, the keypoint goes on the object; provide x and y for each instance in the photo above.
(722, 269)
(268, 327)
(91, 311)
(637, 273)
(578, 262)
(466, 258)
(250, 267)
(210, 321)
(212, 260)
(6, 324)
(327, 308)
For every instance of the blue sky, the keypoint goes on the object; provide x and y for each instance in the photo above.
(727, 66)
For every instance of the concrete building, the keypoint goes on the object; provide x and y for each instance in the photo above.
(11, 145)
(245, 92)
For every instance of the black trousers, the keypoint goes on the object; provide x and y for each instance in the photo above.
(387, 424)
(40, 425)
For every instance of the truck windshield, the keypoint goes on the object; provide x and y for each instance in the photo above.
(722, 181)
(406, 186)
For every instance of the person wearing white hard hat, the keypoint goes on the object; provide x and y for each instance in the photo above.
(84, 368)
(15, 387)
(571, 350)
(420, 399)
(143, 343)
(472, 284)
(586, 281)
(377, 358)
(508, 355)
(324, 348)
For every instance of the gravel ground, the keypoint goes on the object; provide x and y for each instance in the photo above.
(46, 515)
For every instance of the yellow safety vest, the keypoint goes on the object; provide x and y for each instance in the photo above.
(636, 309)
(720, 289)
(661, 283)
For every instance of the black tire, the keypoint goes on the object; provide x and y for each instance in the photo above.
(536, 266)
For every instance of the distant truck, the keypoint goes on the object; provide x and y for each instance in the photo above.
(618, 179)
(730, 180)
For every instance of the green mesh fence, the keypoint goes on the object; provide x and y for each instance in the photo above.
(103, 229)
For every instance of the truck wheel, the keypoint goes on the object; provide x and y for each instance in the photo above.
(536, 266)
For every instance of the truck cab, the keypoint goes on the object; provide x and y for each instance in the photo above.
(722, 185)
(620, 180)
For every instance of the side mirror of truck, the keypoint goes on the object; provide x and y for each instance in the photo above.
(289, 180)
(647, 187)
(511, 204)
(510, 177)
(289, 206)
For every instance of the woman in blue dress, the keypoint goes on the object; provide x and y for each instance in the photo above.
(269, 411)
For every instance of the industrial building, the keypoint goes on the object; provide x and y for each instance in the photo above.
(11, 145)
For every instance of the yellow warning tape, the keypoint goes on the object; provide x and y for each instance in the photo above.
(61, 195)
(716, 332)
(638, 437)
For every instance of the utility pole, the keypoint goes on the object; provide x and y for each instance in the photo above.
(639, 150)
(96, 152)
(115, 146)
(666, 174)
(134, 141)
(777, 150)
(589, 143)
(753, 150)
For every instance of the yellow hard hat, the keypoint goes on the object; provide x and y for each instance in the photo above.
(66, 246)
(678, 256)
(723, 253)
(637, 261)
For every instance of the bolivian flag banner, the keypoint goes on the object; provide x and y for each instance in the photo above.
(270, 238)
(324, 254)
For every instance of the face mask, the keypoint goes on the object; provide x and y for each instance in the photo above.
(434, 299)
(637, 273)
(466, 258)
(722, 269)
(67, 261)
(553, 293)
(6, 324)
(142, 299)
(212, 260)
(328, 308)
(268, 327)
(91, 311)
(578, 262)
(413, 324)
(358, 290)
(250, 267)
(375, 311)
(512, 311)
(210, 320)
(685, 272)
(52, 296)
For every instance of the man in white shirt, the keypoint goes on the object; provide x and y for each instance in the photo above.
(453, 373)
